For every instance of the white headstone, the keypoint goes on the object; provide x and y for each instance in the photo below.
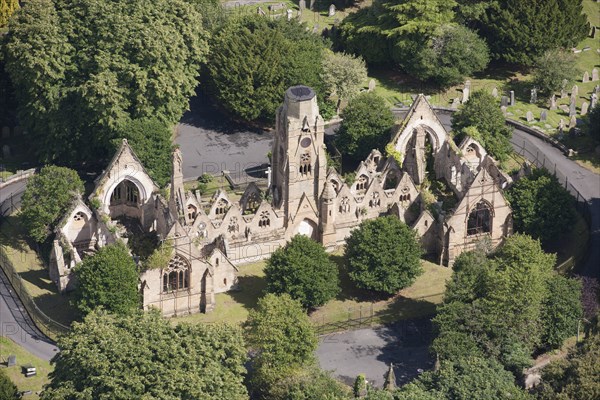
(504, 101)
(312, 4)
(575, 91)
(561, 125)
(512, 97)
(573, 122)
(553, 102)
(331, 10)
(503, 109)
(302, 4)
(495, 92)
(584, 108)
(543, 116)
(595, 76)
(529, 116)
(572, 109)
(466, 93)
(586, 77)
(289, 14)
(455, 102)
(533, 98)
(372, 85)
(594, 100)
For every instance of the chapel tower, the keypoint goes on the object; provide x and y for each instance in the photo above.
(298, 155)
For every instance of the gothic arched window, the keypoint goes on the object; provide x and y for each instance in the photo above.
(361, 183)
(375, 200)
(480, 219)
(191, 212)
(305, 166)
(265, 219)
(177, 275)
(345, 205)
(233, 225)
(222, 207)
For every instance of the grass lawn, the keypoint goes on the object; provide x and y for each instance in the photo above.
(35, 383)
(33, 272)
(418, 300)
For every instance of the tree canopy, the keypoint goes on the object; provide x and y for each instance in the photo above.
(541, 206)
(366, 125)
(552, 68)
(150, 138)
(561, 310)
(253, 60)
(107, 279)
(519, 31)
(143, 355)
(482, 114)
(343, 75)
(303, 270)
(48, 194)
(7, 8)
(383, 255)
(8, 390)
(81, 68)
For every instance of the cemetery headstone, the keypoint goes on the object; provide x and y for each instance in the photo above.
(529, 116)
(543, 116)
(594, 100)
(553, 102)
(495, 92)
(12, 361)
(503, 109)
(455, 102)
(466, 92)
(586, 77)
(260, 11)
(371, 85)
(573, 122)
(575, 91)
(593, 33)
(595, 76)
(312, 4)
(331, 10)
(561, 125)
(584, 108)
(564, 108)
(316, 28)
(504, 101)
(289, 14)
(586, 48)
(512, 98)
(533, 98)
(302, 4)
(572, 109)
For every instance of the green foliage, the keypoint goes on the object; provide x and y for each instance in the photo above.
(383, 255)
(283, 337)
(561, 310)
(493, 305)
(150, 139)
(390, 151)
(469, 378)
(541, 206)
(519, 31)
(48, 194)
(343, 75)
(8, 390)
(593, 123)
(205, 178)
(366, 125)
(415, 391)
(452, 53)
(360, 385)
(7, 8)
(107, 279)
(253, 60)
(482, 112)
(143, 356)
(309, 383)
(551, 68)
(161, 256)
(575, 377)
(303, 270)
(82, 68)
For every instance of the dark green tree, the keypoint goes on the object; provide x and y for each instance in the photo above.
(383, 255)
(8, 390)
(593, 123)
(541, 206)
(48, 194)
(519, 31)
(7, 8)
(482, 113)
(452, 53)
(281, 334)
(143, 356)
(107, 279)
(561, 310)
(81, 68)
(551, 68)
(151, 141)
(254, 60)
(303, 270)
(308, 384)
(366, 125)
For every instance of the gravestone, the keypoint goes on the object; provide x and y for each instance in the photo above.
(289, 14)
(302, 5)
(503, 109)
(594, 100)
(564, 108)
(5, 132)
(312, 4)
(316, 28)
(512, 97)
(371, 85)
(529, 116)
(595, 76)
(455, 102)
(573, 122)
(561, 125)
(575, 91)
(5, 151)
(572, 109)
(466, 92)
(12, 361)
(495, 92)
(533, 98)
(260, 11)
(543, 116)
(593, 33)
(586, 77)
(584, 108)
(563, 89)
(504, 101)
(553, 102)
(331, 10)
(586, 48)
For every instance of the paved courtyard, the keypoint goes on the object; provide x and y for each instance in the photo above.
(370, 352)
